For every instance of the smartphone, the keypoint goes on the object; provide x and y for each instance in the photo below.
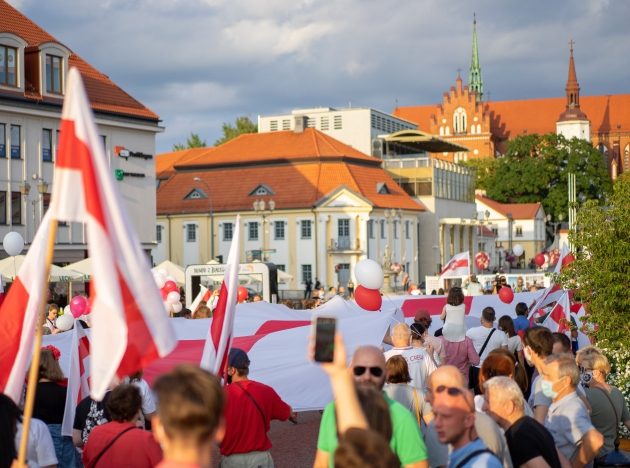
(325, 328)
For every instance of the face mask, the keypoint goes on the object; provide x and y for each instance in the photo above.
(586, 377)
(547, 389)
(528, 356)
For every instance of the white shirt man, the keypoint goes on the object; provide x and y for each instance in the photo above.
(478, 335)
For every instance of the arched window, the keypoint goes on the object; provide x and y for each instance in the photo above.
(459, 120)
(441, 131)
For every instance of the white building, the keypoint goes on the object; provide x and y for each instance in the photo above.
(33, 67)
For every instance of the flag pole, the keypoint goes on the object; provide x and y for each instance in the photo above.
(37, 343)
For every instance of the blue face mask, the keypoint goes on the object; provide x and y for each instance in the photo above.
(547, 388)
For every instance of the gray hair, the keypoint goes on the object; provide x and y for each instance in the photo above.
(401, 330)
(506, 390)
(566, 367)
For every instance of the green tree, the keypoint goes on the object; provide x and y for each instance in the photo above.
(535, 169)
(601, 270)
(242, 125)
(484, 170)
(193, 141)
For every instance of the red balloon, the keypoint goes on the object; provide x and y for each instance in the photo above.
(539, 259)
(78, 306)
(568, 259)
(242, 294)
(506, 294)
(170, 286)
(368, 299)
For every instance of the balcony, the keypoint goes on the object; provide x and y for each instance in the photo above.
(344, 244)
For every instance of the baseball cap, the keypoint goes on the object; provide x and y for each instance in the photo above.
(422, 315)
(238, 358)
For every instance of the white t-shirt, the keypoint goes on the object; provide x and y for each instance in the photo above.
(40, 450)
(515, 344)
(478, 336)
(419, 363)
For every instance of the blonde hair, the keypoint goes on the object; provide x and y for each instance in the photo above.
(593, 358)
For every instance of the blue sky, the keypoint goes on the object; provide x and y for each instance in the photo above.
(199, 63)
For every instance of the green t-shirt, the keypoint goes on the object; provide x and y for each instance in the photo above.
(406, 439)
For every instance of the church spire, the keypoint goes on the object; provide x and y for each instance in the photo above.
(572, 90)
(475, 81)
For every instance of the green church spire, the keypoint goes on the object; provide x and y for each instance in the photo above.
(475, 81)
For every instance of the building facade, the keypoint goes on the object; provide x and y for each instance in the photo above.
(33, 66)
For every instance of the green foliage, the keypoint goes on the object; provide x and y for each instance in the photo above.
(535, 169)
(601, 271)
(241, 125)
(193, 141)
(485, 169)
(619, 359)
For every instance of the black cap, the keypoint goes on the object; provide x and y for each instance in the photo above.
(238, 358)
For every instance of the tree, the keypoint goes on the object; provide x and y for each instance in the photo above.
(241, 125)
(601, 270)
(484, 169)
(193, 141)
(535, 169)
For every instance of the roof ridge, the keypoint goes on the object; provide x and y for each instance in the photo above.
(315, 142)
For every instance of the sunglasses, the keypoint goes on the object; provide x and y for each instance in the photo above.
(360, 370)
(454, 391)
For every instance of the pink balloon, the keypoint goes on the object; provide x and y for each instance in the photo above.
(78, 306)
(170, 286)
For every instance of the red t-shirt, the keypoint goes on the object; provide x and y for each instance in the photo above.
(135, 447)
(245, 429)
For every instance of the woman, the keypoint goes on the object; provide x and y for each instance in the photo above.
(453, 314)
(515, 344)
(419, 335)
(397, 388)
(500, 362)
(9, 414)
(50, 398)
(51, 319)
(608, 407)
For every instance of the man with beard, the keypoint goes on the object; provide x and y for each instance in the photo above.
(368, 369)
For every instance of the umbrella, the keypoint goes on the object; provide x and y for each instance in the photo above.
(82, 266)
(172, 269)
(10, 266)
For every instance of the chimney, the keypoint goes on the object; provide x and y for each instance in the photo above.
(299, 124)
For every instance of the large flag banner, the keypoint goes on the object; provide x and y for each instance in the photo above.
(130, 327)
(78, 376)
(457, 266)
(220, 334)
(559, 319)
(19, 315)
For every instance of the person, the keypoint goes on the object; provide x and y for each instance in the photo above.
(148, 402)
(88, 415)
(485, 338)
(368, 368)
(397, 388)
(420, 363)
(472, 287)
(423, 317)
(514, 342)
(332, 292)
(250, 408)
(189, 417)
(529, 443)
(405, 281)
(420, 339)
(203, 312)
(453, 316)
(461, 354)
(520, 322)
(538, 345)
(350, 289)
(308, 288)
(567, 419)
(40, 450)
(318, 284)
(454, 414)
(121, 442)
(608, 406)
(364, 448)
(561, 344)
(484, 426)
(51, 319)
(9, 415)
(520, 285)
(50, 396)
(500, 362)
(257, 298)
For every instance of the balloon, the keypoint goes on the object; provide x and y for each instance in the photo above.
(482, 260)
(66, 311)
(506, 294)
(13, 243)
(539, 259)
(369, 274)
(172, 297)
(171, 278)
(242, 294)
(567, 260)
(78, 306)
(518, 250)
(159, 278)
(177, 307)
(64, 322)
(170, 286)
(368, 299)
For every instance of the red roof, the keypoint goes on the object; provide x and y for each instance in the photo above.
(518, 210)
(104, 94)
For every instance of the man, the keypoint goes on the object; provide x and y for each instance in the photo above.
(472, 286)
(419, 362)
(567, 419)
(51, 319)
(520, 285)
(189, 418)
(561, 344)
(454, 412)
(368, 369)
(521, 322)
(249, 410)
(538, 345)
(485, 338)
(484, 426)
(423, 317)
(530, 444)
(308, 288)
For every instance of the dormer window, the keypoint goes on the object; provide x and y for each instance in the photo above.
(53, 65)
(195, 194)
(261, 191)
(382, 189)
(8, 66)
(54, 74)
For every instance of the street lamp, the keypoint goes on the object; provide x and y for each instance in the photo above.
(209, 194)
(510, 221)
(260, 207)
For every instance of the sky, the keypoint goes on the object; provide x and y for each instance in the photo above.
(200, 63)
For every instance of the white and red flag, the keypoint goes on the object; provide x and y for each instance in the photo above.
(129, 326)
(459, 265)
(204, 295)
(19, 315)
(78, 377)
(559, 319)
(218, 340)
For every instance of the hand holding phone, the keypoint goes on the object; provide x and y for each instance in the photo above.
(324, 331)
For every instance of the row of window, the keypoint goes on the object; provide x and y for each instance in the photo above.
(15, 202)
(9, 70)
(311, 122)
(381, 224)
(386, 124)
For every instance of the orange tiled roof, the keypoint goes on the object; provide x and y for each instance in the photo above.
(164, 163)
(104, 94)
(518, 210)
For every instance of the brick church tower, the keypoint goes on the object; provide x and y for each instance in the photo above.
(573, 123)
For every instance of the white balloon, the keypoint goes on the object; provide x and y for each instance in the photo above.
(67, 311)
(369, 274)
(177, 307)
(13, 243)
(518, 250)
(172, 297)
(167, 307)
(159, 278)
(65, 322)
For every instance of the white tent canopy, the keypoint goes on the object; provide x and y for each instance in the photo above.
(10, 266)
(82, 266)
(284, 277)
(172, 269)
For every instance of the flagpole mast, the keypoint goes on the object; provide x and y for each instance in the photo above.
(37, 344)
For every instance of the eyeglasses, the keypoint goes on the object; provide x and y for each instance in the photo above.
(360, 370)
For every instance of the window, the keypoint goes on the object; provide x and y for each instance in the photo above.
(382, 229)
(495, 231)
(370, 228)
(191, 233)
(343, 227)
(395, 229)
(518, 231)
(253, 230)
(273, 126)
(158, 233)
(104, 141)
(307, 273)
(3, 207)
(278, 230)
(54, 71)
(16, 142)
(324, 124)
(16, 208)
(8, 66)
(337, 124)
(305, 228)
(407, 229)
(281, 267)
(3, 140)
(286, 124)
(459, 120)
(228, 231)
(46, 144)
